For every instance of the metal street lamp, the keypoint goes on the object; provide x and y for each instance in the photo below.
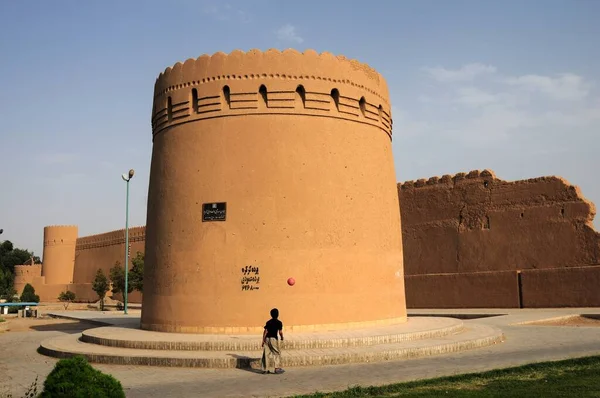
(127, 178)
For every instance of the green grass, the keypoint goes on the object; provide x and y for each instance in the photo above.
(1, 319)
(571, 378)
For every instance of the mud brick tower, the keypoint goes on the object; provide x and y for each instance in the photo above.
(268, 166)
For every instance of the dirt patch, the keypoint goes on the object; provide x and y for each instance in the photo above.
(578, 320)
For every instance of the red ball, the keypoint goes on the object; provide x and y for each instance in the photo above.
(291, 281)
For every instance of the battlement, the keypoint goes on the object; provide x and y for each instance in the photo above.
(28, 269)
(117, 237)
(271, 82)
(448, 179)
(539, 191)
(487, 175)
(60, 234)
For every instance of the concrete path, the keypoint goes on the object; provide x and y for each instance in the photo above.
(20, 362)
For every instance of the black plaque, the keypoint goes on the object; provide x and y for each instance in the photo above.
(214, 211)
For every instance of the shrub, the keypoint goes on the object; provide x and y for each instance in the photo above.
(28, 295)
(75, 377)
(66, 298)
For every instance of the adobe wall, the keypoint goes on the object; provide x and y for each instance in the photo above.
(533, 254)
(88, 253)
(28, 273)
(103, 250)
(473, 240)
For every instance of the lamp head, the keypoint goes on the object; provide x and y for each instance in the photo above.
(129, 176)
(1, 230)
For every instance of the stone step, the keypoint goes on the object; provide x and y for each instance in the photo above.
(473, 336)
(413, 329)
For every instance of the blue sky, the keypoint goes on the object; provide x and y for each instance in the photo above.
(510, 86)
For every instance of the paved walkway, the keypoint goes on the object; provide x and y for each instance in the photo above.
(102, 318)
(524, 344)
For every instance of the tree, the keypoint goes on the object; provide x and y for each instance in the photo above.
(67, 298)
(137, 272)
(100, 286)
(6, 247)
(7, 279)
(11, 256)
(28, 295)
(117, 278)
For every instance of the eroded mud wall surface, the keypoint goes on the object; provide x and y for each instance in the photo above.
(473, 240)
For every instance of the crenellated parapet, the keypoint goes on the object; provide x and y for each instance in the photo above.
(453, 193)
(271, 82)
(117, 237)
(448, 179)
(28, 270)
(60, 235)
(489, 177)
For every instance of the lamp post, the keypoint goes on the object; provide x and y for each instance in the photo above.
(126, 178)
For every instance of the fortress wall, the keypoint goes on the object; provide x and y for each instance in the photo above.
(103, 250)
(89, 253)
(470, 290)
(458, 229)
(563, 287)
(538, 228)
(37, 281)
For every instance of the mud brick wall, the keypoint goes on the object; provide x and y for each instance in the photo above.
(473, 240)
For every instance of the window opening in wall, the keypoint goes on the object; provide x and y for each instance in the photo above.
(522, 215)
(262, 91)
(562, 212)
(485, 184)
(380, 113)
(335, 94)
(195, 100)
(300, 96)
(362, 104)
(227, 95)
(169, 109)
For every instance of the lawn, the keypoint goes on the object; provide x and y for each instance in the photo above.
(571, 378)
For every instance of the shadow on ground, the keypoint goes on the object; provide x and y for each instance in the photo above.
(245, 363)
(67, 327)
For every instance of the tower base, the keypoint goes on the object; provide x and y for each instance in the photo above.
(419, 337)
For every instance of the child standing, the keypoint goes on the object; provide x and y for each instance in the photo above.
(271, 357)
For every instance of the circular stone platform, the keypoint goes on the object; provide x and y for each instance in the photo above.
(420, 336)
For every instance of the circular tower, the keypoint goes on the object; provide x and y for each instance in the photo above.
(268, 166)
(58, 259)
